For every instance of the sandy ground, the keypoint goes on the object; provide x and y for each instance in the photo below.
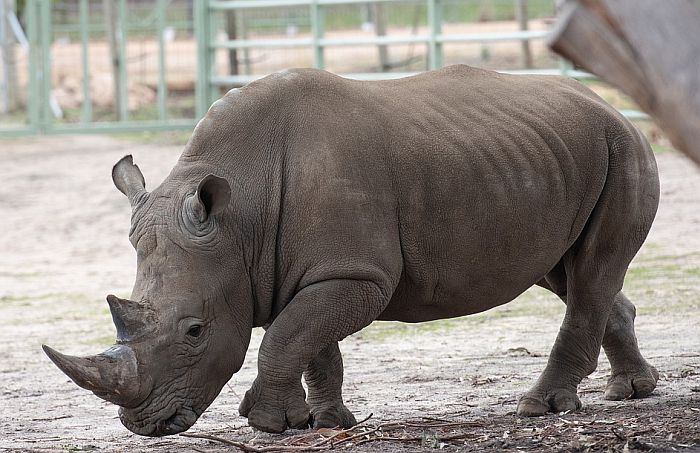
(63, 247)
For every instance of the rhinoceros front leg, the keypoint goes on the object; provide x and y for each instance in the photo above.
(324, 377)
(318, 316)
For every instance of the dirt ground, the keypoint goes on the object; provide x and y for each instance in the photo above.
(449, 385)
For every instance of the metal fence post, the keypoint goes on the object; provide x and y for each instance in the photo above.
(317, 33)
(201, 31)
(521, 15)
(162, 87)
(86, 112)
(435, 59)
(6, 60)
(33, 96)
(565, 67)
(45, 71)
(123, 82)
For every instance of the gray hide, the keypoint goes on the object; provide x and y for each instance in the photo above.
(313, 205)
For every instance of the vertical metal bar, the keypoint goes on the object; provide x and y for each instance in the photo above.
(521, 16)
(565, 66)
(86, 113)
(5, 50)
(435, 58)
(124, 83)
(162, 87)
(317, 33)
(45, 71)
(242, 26)
(201, 31)
(380, 30)
(210, 27)
(34, 97)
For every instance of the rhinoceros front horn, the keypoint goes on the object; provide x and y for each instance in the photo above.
(111, 375)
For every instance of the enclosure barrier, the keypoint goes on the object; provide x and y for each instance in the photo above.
(44, 113)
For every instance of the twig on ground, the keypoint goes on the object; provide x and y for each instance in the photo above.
(344, 431)
(252, 448)
(50, 419)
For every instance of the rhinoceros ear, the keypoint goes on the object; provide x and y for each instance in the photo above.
(129, 180)
(213, 193)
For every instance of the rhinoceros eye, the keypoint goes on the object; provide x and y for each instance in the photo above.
(195, 331)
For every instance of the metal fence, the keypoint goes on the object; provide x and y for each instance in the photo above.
(133, 65)
(99, 66)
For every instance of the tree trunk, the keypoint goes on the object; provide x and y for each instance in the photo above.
(648, 49)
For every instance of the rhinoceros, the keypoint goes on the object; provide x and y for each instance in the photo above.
(311, 205)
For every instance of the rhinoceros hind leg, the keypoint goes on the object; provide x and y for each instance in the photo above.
(324, 376)
(537, 402)
(589, 278)
(631, 375)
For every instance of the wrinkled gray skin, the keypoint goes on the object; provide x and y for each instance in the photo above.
(336, 203)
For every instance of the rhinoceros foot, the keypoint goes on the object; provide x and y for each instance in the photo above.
(332, 416)
(536, 402)
(273, 410)
(637, 384)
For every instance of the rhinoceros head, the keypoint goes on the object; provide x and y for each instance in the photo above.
(187, 326)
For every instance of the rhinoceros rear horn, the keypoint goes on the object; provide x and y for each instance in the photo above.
(129, 180)
(132, 319)
(111, 375)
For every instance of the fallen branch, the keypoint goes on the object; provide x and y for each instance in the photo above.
(356, 435)
(252, 448)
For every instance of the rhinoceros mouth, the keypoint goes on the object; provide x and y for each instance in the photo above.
(178, 420)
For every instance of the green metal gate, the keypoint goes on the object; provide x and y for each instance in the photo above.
(167, 64)
(48, 44)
